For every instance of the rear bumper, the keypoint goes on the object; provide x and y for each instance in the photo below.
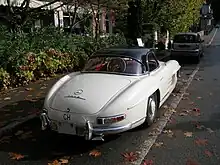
(175, 53)
(88, 131)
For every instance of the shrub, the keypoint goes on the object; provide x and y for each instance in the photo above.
(44, 53)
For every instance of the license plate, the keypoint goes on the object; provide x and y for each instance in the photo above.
(66, 128)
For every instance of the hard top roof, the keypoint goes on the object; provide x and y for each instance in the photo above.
(132, 52)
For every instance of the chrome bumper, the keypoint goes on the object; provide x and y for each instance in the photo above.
(89, 132)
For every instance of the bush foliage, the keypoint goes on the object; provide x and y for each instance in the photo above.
(43, 53)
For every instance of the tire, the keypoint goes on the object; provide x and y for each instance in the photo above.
(152, 108)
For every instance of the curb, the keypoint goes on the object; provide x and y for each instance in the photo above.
(162, 122)
(8, 128)
(212, 38)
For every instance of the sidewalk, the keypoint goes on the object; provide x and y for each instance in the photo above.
(208, 38)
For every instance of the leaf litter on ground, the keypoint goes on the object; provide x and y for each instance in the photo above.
(209, 130)
(158, 144)
(29, 89)
(15, 156)
(169, 133)
(147, 162)
(208, 153)
(154, 132)
(201, 141)
(130, 156)
(7, 98)
(188, 134)
(95, 153)
(191, 162)
(5, 139)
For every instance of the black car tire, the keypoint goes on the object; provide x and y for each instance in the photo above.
(151, 106)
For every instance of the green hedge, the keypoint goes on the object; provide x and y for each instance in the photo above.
(43, 53)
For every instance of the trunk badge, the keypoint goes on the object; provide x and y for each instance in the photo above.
(78, 92)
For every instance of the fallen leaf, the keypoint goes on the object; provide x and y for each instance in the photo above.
(29, 95)
(55, 162)
(172, 110)
(183, 114)
(7, 98)
(186, 94)
(95, 153)
(43, 87)
(29, 89)
(200, 126)
(209, 130)
(210, 94)
(19, 133)
(16, 156)
(153, 133)
(64, 161)
(191, 162)
(185, 98)
(188, 134)
(208, 153)
(191, 103)
(196, 109)
(20, 111)
(169, 133)
(196, 114)
(26, 135)
(201, 141)
(172, 121)
(158, 144)
(5, 139)
(130, 156)
(199, 97)
(148, 162)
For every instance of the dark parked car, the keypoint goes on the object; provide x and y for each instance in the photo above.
(187, 45)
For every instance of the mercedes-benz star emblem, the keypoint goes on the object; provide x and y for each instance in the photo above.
(78, 92)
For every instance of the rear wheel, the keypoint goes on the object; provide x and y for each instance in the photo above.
(152, 108)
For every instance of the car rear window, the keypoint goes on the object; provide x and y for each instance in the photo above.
(185, 38)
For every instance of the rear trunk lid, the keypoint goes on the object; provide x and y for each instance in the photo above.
(88, 93)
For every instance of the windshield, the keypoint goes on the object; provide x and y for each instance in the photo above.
(118, 65)
(185, 38)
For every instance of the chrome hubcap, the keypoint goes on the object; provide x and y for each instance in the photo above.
(152, 109)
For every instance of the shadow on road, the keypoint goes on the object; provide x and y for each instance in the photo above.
(29, 140)
(15, 111)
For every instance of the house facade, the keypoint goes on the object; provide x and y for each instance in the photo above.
(62, 16)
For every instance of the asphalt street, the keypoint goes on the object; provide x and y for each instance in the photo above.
(197, 116)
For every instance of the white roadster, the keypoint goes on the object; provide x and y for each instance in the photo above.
(118, 89)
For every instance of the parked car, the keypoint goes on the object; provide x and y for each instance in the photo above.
(118, 89)
(187, 45)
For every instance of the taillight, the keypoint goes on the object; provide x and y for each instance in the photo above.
(110, 120)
